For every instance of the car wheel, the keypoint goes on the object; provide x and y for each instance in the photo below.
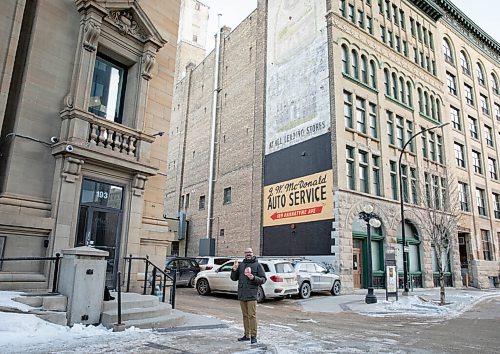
(191, 283)
(203, 287)
(305, 290)
(260, 295)
(335, 288)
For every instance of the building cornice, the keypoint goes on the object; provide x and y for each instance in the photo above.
(429, 8)
(471, 32)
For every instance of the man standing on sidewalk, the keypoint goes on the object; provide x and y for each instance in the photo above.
(250, 275)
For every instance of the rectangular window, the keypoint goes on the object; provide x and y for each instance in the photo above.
(492, 168)
(485, 237)
(469, 98)
(439, 143)
(409, 133)
(342, 8)
(395, 15)
(436, 192)
(481, 206)
(497, 111)
(432, 146)
(405, 48)
(363, 172)
(444, 193)
(352, 14)
(404, 181)
(426, 38)
(496, 205)
(428, 193)
(186, 205)
(373, 121)
(388, 9)
(361, 19)
(360, 115)
(394, 180)
(107, 91)
(398, 44)
(369, 24)
(484, 104)
(488, 135)
(382, 34)
(476, 162)
(419, 31)
(424, 144)
(348, 109)
(399, 132)
(227, 195)
(431, 40)
(452, 84)
(463, 196)
(455, 118)
(413, 185)
(390, 127)
(201, 203)
(376, 175)
(473, 128)
(381, 6)
(402, 19)
(459, 154)
(350, 167)
(390, 37)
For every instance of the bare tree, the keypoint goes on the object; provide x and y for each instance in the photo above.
(439, 215)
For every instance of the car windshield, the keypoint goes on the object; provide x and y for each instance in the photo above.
(284, 268)
(202, 261)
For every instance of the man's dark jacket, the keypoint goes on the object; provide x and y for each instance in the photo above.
(247, 289)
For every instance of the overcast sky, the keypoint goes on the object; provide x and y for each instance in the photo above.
(484, 13)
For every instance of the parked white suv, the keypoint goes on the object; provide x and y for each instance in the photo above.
(312, 278)
(208, 262)
(280, 274)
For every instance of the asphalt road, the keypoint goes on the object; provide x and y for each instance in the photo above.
(475, 331)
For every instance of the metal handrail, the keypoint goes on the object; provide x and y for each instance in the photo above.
(57, 259)
(155, 270)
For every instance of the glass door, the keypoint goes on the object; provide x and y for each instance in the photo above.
(99, 222)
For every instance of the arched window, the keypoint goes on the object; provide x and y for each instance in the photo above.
(413, 243)
(408, 94)
(354, 64)
(402, 96)
(494, 84)
(394, 86)
(420, 101)
(480, 74)
(386, 82)
(438, 110)
(464, 63)
(345, 60)
(433, 108)
(373, 75)
(364, 69)
(447, 51)
(426, 103)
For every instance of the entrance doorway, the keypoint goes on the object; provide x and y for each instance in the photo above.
(463, 249)
(99, 222)
(357, 264)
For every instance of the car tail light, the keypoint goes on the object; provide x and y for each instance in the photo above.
(276, 278)
(208, 267)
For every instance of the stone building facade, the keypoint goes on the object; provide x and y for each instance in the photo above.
(337, 89)
(86, 92)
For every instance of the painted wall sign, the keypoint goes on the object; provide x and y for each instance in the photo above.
(297, 100)
(303, 199)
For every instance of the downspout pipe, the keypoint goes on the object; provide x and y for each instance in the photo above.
(211, 172)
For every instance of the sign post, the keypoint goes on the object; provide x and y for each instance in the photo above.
(391, 276)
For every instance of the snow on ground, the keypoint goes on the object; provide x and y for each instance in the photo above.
(25, 333)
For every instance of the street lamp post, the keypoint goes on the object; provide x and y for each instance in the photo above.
(371, 219)
(401, 203)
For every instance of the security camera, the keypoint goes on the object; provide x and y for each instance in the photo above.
(54, 139)
(69, 148)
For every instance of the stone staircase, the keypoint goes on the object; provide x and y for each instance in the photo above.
(47, 306)
(141, 311)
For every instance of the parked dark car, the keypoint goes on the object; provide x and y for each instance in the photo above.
(187, 269)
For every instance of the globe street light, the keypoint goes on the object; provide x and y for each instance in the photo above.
(401, 203)
(371, 219)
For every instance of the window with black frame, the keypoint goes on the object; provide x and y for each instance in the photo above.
(107, 91)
